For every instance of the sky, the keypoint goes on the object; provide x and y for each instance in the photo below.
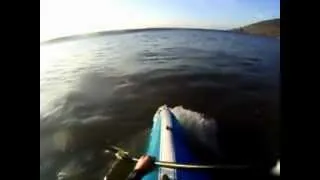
(69, 17)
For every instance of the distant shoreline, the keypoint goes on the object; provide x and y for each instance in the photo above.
(112, 32)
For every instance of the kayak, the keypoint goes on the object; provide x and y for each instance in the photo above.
(167, 143)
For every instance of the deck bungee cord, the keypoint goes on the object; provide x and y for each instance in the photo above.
(124, 155)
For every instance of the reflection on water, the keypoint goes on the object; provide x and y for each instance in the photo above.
(105, 90)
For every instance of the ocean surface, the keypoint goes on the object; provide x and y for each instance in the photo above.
(104, 90)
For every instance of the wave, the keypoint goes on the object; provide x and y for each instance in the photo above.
(197, 126)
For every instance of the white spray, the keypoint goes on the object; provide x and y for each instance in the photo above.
(204, 130)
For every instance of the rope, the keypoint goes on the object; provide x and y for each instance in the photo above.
(123, 155)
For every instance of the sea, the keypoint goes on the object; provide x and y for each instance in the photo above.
(103, 90)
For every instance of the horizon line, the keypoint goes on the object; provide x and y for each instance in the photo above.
(119, 31)
(124, 30)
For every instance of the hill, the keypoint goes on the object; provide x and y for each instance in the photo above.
(267, 28)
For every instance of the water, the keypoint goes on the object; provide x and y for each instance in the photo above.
(105, 89)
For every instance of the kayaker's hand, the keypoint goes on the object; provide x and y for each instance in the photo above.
(145, 163)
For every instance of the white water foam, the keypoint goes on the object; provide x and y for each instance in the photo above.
(199, 127)
(276, 169)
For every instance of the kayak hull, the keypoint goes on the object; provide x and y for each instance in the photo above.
(167, 143)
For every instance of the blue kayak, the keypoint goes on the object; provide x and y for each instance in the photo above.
(167, 143)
